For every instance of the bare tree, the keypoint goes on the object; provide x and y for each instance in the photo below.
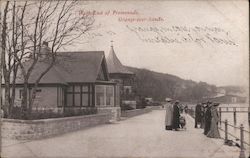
(55, 22)
(4, 64)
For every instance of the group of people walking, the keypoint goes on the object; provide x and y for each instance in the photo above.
(174, 118)
(206, 116)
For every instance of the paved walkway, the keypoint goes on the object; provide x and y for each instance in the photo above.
(140, 136)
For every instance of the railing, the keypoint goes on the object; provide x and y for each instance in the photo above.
(234, 110)
(241, 129)
(242, 140)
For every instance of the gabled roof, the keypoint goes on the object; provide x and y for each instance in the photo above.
(114, 64)
(71, 67)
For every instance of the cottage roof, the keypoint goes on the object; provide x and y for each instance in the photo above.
(114, 64)
(71, 67)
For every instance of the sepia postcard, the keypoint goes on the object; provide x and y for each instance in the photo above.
(124, 79)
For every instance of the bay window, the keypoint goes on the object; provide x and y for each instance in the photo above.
(104, 95)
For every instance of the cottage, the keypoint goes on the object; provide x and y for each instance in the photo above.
(77, 80)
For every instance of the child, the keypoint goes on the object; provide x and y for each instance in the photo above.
(183, 121)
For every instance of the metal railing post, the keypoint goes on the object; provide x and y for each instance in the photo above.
(242, 149)
(234, 116)
(226, 136)
(220, 114)
(248, 115)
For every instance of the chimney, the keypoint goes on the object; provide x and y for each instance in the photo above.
(45, 50)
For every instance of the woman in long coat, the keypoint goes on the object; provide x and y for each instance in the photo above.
(214, 131)
(207, 118)
(169, 116)
(176, 116)
(198, 115)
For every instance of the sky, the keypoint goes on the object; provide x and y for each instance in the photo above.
(139, 41)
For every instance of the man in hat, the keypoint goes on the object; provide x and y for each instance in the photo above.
(203, 110)
(208, 117)
(176, 116)
(198, 115)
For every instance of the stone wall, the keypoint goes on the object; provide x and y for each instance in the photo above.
(131, 113)
(115, 112)
(36, 129)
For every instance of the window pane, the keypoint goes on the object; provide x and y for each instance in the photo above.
(110, 95)
(62, 96)
(70, 89)
(85, 99)
(84, 88)
(90, 88)
(69, 100)
(100, 95)
(20, 94)
(117, 95)
(90, 100)
(77, 89)
(77, 100)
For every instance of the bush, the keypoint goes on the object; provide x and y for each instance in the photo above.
(78, 112)
(35, 115)
(126, 107)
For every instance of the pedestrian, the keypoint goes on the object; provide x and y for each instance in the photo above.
(208, 117)
(181, 108)
(214, 130)
(182, 120)
(186, 109)
(2, 113)
(176, 116)
(169, 115)
(203, 115)
(198, 115)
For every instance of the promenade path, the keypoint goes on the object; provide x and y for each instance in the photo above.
(140, 136)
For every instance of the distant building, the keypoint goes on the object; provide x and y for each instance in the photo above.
(123, 77)
(223, 96)
(228, 98)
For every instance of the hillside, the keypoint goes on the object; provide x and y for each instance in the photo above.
(159, 86)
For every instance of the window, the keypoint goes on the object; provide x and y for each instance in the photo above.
(69, 99)
(85, 99)
(70, 96)
(70, 89)
(84, 88)
(77, 98)
(20, 94)
(78, 95)
(77, 89)
(104, 95)
(117, 95)
(38, 91)
(127, 90)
